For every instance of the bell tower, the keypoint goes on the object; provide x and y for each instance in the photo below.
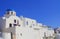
(10, 12)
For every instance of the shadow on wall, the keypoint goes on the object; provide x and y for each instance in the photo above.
(1, 35)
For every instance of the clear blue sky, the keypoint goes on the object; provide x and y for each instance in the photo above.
(44, 11)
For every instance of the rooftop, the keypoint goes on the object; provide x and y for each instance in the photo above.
(9, 10)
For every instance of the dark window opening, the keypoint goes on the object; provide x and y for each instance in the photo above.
(27, 22)
(10, 25)
(12, 13)
(54, 31)
(15, 24)
(21, 34)
(14, 21)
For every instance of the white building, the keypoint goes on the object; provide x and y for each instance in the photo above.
(57, 33)
(14, 27)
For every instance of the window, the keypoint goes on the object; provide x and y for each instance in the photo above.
(15, 24)
(11, 13)
(21, 34)
(27, 22)
(14, 21)
(10, 25)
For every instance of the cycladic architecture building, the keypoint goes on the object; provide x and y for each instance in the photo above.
(57, 33)
(14, 27)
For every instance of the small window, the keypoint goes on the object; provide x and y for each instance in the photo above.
(15, 24)
(14, 21)
(10, 25)
(11, 13)
(27, 22)
(54, 31)
(21, 34)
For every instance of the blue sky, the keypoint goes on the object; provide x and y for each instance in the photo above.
(44, 11)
